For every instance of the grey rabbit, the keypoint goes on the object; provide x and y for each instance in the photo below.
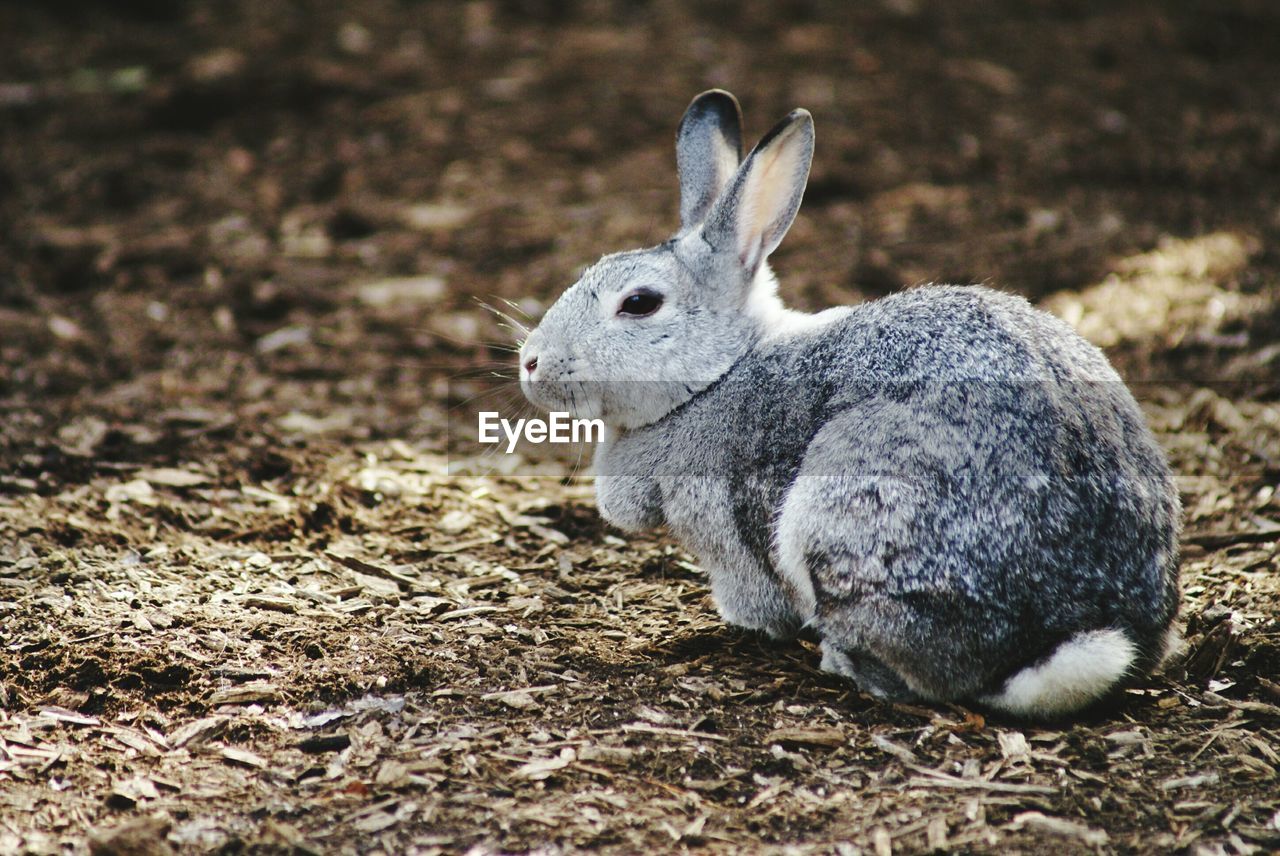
(949, 488)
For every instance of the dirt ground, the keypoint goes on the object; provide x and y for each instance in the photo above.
(246, 605)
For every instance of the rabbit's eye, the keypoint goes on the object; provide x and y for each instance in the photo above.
(640, 303)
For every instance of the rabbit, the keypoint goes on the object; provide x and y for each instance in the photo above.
(950, 490)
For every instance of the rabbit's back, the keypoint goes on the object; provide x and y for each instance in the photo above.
(950, 447)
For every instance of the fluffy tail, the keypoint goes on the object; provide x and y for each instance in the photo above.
(1082, 670)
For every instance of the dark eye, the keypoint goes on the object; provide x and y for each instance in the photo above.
(640, 303)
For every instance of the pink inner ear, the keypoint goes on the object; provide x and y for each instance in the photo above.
(726, 164)
(767, 197)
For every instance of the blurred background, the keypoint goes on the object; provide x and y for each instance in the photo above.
(240, 212)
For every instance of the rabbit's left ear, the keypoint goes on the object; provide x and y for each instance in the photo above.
(708, 148)
(753, 214)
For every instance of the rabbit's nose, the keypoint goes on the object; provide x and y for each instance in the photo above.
(531, 365)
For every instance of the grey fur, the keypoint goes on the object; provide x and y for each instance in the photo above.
(946, 485)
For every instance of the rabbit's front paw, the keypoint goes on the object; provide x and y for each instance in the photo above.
(750, 598)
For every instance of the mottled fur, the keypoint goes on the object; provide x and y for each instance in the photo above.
(952, 489)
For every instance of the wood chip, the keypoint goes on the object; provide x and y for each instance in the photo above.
(275, 604)
(142, 743)
(1013, 745)
(243, 757)
(936, 833)
(1218, 540)
(459, 546)
(249, 693)
(897, 750)
(405, 582)
(1196, 781)
(375, 822)
(1216, 700)
(173, 477)
(1058, 826)
(618, 756)
(197, 732)
(937, 778)
(70, 717)
(767, 795)
(521, 699)
(829, 737)
(541, 768)
(642, 728)
(881, 841)
(468, 611)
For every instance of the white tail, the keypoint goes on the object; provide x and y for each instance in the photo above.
(1081, 670)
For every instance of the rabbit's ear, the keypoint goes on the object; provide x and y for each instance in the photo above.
(753, 215)
(708, 149)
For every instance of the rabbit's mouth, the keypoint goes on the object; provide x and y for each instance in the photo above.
(580, 399)
(625, 404)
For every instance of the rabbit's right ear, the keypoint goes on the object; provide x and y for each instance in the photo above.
(708, 149)
(754, 213)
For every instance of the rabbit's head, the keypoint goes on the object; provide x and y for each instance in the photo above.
(643, 331)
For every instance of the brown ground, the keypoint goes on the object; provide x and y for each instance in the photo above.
(243, 606)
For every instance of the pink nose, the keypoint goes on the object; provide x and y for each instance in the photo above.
(531, 365)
